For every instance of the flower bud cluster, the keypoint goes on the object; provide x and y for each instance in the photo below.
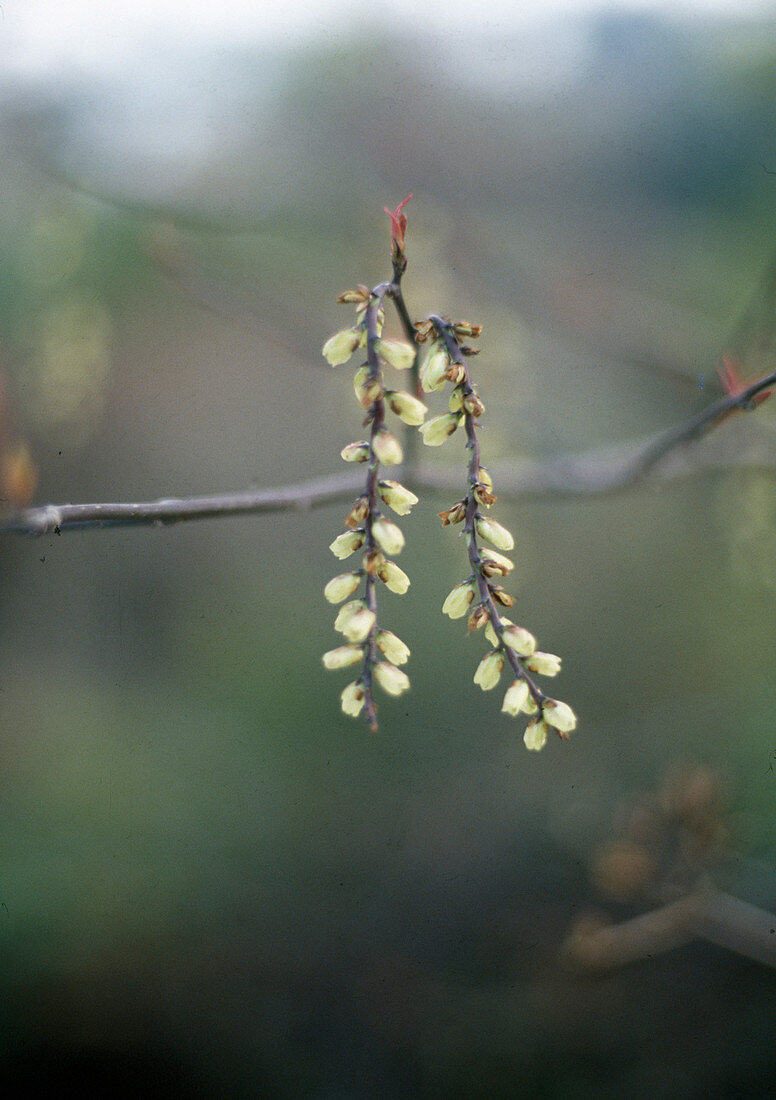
(379, 538)
(480, 596)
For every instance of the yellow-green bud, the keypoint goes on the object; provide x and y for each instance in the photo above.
(432, 375)
(387, 448)
(358, 512)
(355, 621)
(343, 656)
(493, 563)
(356, 452)
(545, 664)
(515, 698)
(473, 405)
(458, 599)
(393, 648)
(560, 715)
(342, 586)
(438, 429)
(397, 353)
(390, 678)
(530, 706)
(339, 347)
(407, 408)
(455, 404)
(368, 390)
(394, 578)
(357, 628)
(388, 535)
(347, 543)
(346, 613)
(490, 632)
(492, 530)
(489, 669)
(535, 736)
(519, 639)
(353, 699)
(397, 497)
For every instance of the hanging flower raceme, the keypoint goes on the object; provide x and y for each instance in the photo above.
(480, 596)
(379, 538)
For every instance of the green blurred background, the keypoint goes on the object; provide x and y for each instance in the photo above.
(214, 884)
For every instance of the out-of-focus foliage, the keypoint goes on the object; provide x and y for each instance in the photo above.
(211, 880)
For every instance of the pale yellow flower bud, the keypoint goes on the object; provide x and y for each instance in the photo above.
(347, 543)
(368, 390)
(432, 375)
(519, 639)
(388, 535)
(458, 599)
(492, 530)
(438, 429)
(397, 353)
(490, 633)
(356, 452)
(339, 347)
(343, 656)
(393, 648)
(530, 706)
(398, 498)
(535, 736)
(455, 404)
(355, 621)
(341, 586)
(358, 512)
(407, 408)
(387, 448)
(473, 405)
(353, 699)
(346, 613)
(560, 715)
(485, 478)
(545, 664)
(357, 628)
(394, 578)
(390, 678)
(515, 698)
(493, 563)
(489, 669)
(359, 380)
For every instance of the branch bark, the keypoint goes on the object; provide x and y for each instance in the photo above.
(597, 472)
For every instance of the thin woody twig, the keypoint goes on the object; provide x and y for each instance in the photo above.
(55, 518)
(601, 471)
(597, 472)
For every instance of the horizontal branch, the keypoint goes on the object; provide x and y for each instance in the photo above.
(55, 518)
(597, 472)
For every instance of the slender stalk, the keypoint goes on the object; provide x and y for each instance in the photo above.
(473, 513)
(377, 416)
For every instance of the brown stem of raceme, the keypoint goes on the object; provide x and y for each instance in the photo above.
(473, 512)
(377, 415)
